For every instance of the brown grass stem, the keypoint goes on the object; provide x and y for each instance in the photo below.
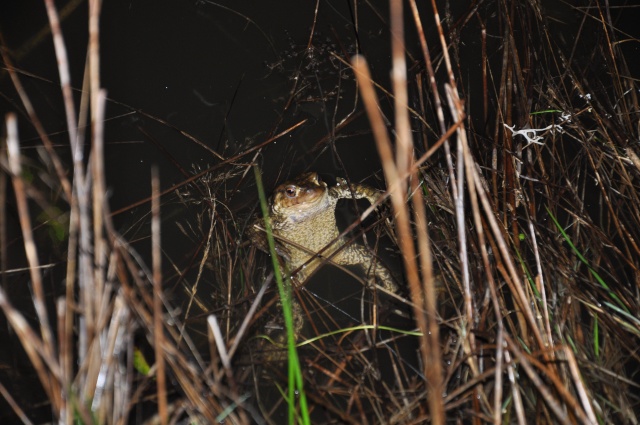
(514, 282)
(433, 363)
(35, 121)
(65, 79)
(39, 301)
(429, 65)
(45, 366)
(404, 140)
(249, 317)
(563, 415)
(399, 202)
(578, 381)
(158, 320)
(14, 406)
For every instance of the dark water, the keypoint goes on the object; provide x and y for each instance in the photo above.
(221, 72)
(225, 74)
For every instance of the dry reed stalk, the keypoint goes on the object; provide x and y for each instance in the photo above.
(404, 140)
(14, 406)
(100, 207)
(79, 189)
(33, 118)
(429, 65)
(562, 414)
(579, 384)
(433, 363)
(158, 320)
(64, 352)
(67, 352)
(398, 197)
(110, 402)
(515, 388)
(45, 366)
(51, 384)
(249, 316)
(65, 79)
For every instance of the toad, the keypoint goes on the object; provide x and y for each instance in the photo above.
(302, 213)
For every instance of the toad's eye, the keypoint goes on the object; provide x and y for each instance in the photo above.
(290, 191)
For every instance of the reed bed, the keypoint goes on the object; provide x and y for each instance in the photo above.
(511, 205)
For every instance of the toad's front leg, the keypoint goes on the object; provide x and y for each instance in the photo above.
(356, 191)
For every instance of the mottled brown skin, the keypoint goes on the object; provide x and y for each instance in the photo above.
(302, 213)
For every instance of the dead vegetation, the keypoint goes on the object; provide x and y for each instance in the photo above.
(513, 186)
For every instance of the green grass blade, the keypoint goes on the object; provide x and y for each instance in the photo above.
(595, 274)
(360, 328)
(284, 288)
